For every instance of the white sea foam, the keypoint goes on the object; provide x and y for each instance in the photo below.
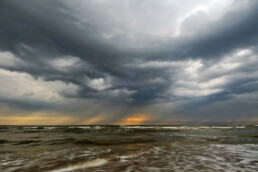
(80, 127)
(93, 163)
(50, 128)
(182, 127)
(240, 126)
(161, 127)
(97, 127)
(31, 127)
(222, 127)
(139, 127)
(16, 162)
(172, 127)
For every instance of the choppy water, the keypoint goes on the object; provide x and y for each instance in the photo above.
(128, 148)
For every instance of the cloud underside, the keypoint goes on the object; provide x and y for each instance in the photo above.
(107, 60)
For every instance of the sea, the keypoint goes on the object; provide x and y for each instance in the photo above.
(118, 148)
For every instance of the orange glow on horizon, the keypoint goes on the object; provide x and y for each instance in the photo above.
(49, 118)
(37, 120)
(136, 119)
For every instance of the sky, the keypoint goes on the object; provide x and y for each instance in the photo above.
(128, 62)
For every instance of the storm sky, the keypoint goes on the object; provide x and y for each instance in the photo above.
(128, 61)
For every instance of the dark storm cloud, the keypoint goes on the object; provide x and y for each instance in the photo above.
(36, 31)
(119, 60)
(48, 30)
(40, 31)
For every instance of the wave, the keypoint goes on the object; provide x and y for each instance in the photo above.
(61, 141)
(93, 163)
(162, 128)
(113, 142)
(24, 142)
(102, 161)
(3, 141)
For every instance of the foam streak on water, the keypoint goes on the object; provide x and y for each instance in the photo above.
(128, 148)
(94, 163)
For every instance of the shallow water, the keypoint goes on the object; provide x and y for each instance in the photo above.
(128, 148)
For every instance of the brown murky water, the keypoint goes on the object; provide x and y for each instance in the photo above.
(128, 148)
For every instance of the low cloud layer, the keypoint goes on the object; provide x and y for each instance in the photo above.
(104, 61)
